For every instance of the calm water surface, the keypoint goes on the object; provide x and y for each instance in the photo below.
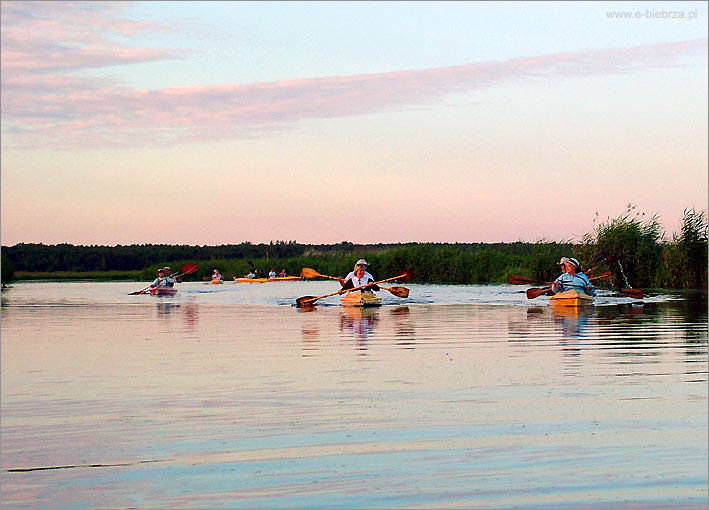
(457, 397)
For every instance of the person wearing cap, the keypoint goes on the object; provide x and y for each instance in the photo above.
(358, 277)
(572, 278)
(160, 281)
(272, 273)
(216, 275)
(169, 279)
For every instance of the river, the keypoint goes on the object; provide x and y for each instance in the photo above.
(227, 396)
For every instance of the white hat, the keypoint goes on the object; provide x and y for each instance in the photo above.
(361, 262)
(575, 262)
(563, 261)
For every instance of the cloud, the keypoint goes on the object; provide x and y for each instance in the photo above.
(47, 101)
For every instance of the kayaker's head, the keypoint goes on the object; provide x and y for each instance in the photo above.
(562, 263)
(167, 270)
(572, 266)
(360, 267)
(161, 272)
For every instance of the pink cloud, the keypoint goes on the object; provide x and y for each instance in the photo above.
(44, 103)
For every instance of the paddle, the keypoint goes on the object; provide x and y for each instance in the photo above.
(536, 292)
(306, 272)
(306, 301)
(633, 293)
(188, 268)
(397, 291)
(516, 279)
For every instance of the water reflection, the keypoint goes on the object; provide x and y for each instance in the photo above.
(243, 413)
(404, 328)
(572, 320)
(359, 323)
(188, 312)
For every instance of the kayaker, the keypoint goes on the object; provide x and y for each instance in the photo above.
(272, 273)
(169, 279)
(573, 278)
(562, 263)
(358, 277)
(160, 281)
(283, 273)
(251, 274)
(216, 275)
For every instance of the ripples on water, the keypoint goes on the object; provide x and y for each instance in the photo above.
(459, 397)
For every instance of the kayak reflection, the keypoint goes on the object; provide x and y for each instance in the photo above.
(359, 322)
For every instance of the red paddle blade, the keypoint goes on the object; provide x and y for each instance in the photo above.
(633, 293)
(188, 268)
(408, 274)
(516, 279)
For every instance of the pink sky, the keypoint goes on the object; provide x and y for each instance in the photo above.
(471, 152)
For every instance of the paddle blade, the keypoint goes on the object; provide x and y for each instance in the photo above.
(600, 256)
(516, 279)
(306, 272)
(633, 293)
(401, 292)
(305, 301)
(407, 275)
(188, 268)
(605, 275)
(534, 293)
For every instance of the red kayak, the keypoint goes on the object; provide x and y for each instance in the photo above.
(163, 291)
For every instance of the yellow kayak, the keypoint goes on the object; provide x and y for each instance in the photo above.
(357, 298)
(251, 280)
(217, 282)
(572, 297)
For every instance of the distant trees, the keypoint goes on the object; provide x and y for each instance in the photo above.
(636, 241)
(7, 269)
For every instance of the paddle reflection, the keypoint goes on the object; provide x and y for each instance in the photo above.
(404, 327)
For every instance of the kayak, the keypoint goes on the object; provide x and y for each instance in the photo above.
(360, 299)
(251, 280)
(572, 297)
(163, 291)
(217, 282)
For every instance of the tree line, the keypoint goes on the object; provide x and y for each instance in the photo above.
(636, 244)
